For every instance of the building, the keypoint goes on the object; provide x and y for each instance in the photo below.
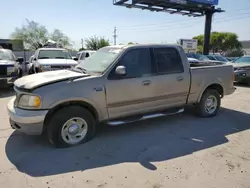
(246, 46)
(14, 45)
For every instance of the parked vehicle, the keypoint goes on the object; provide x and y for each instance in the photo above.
(82, 55)
(203, 59)
(9, 67)
(218, 58)
(117, 84)
(48, 59)
(242, 69)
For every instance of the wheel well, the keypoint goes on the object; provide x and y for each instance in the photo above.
(77, 103)
(216, 87)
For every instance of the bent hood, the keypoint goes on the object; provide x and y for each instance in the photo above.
(57, 62)
(36, 80)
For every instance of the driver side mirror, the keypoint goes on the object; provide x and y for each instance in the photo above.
(75, 58)
(121, 71)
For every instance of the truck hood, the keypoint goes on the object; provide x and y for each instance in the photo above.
(36, 80)
(7, 62)
(57, 62)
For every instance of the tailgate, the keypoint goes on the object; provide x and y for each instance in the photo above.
(202, 77)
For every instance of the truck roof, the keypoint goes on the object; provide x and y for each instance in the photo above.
(51, 49)
(144, 45)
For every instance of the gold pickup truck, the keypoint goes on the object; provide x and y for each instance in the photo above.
(116, 85)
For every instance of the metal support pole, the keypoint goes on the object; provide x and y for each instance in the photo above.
(208, 24)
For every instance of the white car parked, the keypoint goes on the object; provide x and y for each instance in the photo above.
(49, 59)
(82, 55)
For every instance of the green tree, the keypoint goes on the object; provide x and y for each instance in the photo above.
(81, 49)
(235, 53)
(60, 38)
(32, 34)
(220, 42)
(95, 43)
(35, 35)
(130, 43)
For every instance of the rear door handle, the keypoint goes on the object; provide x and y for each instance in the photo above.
(179, 78)
(146, 82)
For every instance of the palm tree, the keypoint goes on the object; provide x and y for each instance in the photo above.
(95, 43)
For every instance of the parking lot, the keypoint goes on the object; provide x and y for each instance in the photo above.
(176, 151)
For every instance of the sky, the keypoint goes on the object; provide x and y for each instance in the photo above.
(79, 19)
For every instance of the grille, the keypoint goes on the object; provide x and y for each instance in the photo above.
(4, 72)
(60, 67)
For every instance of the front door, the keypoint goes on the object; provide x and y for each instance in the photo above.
(130, 94)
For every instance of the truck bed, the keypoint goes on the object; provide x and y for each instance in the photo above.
(203, 76)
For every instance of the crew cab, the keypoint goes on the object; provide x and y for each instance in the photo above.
(48, 59)
(116, 85)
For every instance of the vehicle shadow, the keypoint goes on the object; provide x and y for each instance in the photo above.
(6, 92)
(143, 142)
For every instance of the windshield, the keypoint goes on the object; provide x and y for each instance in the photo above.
(198, 56)
(221, 58)
(100, 60)
(54, 54)
(243, 60)
(7, 55)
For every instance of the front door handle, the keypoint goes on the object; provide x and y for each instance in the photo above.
(179, 78)
(146, 82)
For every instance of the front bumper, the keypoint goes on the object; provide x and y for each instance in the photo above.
(27, 121)
(7, 81)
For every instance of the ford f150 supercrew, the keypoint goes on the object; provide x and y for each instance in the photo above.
(117, 84)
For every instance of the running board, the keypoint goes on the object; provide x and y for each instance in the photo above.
(149, 116)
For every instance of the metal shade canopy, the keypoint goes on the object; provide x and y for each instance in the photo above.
(193, 8)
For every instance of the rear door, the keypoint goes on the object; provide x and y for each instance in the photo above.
(172, 81)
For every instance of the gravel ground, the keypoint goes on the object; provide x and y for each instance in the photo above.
(176, 151)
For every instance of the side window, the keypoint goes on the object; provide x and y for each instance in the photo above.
(82, 56)
(137, 63)
(168, 60)
(87, 54)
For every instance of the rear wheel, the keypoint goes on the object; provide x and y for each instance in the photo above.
(209, 104)
(71, 126)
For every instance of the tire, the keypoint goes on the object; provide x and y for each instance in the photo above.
(58, 121)
(200, 108)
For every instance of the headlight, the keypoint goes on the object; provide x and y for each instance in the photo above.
(29, 101)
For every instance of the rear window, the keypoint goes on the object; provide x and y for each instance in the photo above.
(168, 61)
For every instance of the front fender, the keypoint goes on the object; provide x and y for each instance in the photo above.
(101, 115)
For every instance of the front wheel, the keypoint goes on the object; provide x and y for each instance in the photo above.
(71, 126)
(209, 104)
